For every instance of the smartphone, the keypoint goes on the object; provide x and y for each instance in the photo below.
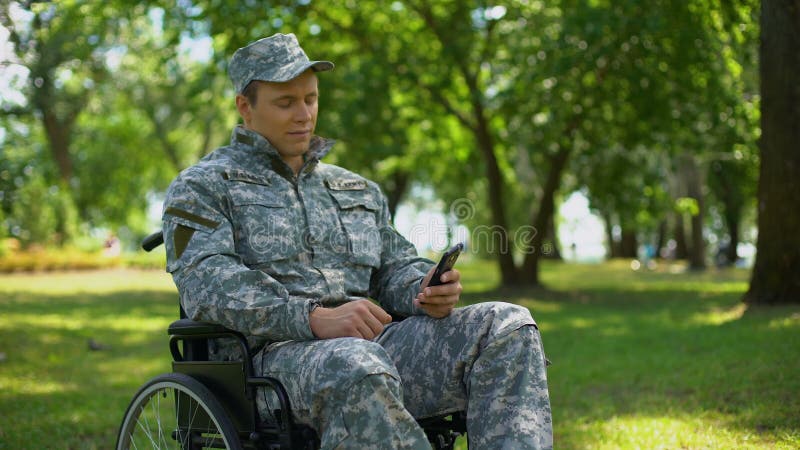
(446, 263)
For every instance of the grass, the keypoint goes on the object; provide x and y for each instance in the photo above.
(640, 359)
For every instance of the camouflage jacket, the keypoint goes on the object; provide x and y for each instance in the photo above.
(254, 248)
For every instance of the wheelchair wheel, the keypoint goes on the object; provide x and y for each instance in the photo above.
(175, 411)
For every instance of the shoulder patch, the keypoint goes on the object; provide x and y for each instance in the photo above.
(343, 184)
(245, 176)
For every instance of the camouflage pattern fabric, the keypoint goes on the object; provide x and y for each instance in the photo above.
(267, 248)
(346, 388)
(486, 359)
(255, 248)
(276, 58)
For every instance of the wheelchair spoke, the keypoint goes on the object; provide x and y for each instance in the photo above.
(145, 427)
(176, 411)
(153, 408)
(161, 427)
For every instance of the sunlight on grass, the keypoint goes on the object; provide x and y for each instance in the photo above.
(719, 316)
(674, 432)
(34, 385)
(786, 322)
(55, 321)
(641, 359)
(541, 307)
(104, 281)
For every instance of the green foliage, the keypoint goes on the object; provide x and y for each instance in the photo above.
(3, 233)
(35, 215)
(687, 206)
(622, 88)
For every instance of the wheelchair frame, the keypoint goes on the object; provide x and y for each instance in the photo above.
(226, 415)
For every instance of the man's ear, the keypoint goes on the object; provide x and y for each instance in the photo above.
(244, 108)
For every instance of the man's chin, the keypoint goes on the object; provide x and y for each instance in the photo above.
(295, 150)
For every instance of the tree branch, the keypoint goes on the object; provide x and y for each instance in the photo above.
(15, 111)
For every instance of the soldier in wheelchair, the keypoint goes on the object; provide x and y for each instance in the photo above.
(276, 255)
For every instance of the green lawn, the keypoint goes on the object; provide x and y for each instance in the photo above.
(640, 359)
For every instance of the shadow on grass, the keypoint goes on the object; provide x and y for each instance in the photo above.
(55, 388)
(664, 353)
(623, 349)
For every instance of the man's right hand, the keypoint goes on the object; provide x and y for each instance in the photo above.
(359, 318)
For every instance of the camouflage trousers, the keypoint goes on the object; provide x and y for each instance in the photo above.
(486, 359)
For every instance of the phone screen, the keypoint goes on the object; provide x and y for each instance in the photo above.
(446, 263)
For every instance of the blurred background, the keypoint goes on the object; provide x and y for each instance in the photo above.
(638, 159)
(578, 130)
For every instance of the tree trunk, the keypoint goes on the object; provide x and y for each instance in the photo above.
(697, 252)
(776, 274)
(681, 249)
(662, 238)
(161, 132)
(732, 222)
(613, 246)
(59, 135)
(529, 272)
(694, 189)
(499, 234)
(395, 189)
(629, 245)
(551, 249)
(729, 192)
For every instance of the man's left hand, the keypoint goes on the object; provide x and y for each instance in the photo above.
(439, 301)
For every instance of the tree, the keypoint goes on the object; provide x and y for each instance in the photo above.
(58, 49)
(104, 84)
(503, 110)
(776, 274)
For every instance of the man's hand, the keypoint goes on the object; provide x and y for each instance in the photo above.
(359, 318)
(439, 301)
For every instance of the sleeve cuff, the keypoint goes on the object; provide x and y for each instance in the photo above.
(300, 329)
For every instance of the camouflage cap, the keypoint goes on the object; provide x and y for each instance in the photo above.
(276, 58)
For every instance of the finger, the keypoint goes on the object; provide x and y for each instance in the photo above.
(356, 332)
(442, 303)
(427, 278)
(451, 276)
(438, 311)
(426, 300)
(375, 325)
(439, 299)
(379, 313)
(443, 290)
(364, 331)
(445, 300)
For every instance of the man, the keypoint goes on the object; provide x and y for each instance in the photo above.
(265, 239)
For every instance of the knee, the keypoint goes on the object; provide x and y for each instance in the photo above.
(503, 318)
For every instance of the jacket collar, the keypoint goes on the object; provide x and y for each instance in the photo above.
(317, 149)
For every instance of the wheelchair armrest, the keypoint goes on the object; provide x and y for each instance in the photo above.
(189, 330)
(189, 327)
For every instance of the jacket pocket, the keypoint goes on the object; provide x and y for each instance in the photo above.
(263, 223)
(357, 215)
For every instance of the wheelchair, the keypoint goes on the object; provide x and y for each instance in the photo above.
(206, 404)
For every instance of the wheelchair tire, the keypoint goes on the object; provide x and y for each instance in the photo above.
(152, 418)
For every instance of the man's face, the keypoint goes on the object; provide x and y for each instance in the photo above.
(285, 114)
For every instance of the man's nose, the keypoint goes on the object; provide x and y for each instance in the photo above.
(302, 112)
